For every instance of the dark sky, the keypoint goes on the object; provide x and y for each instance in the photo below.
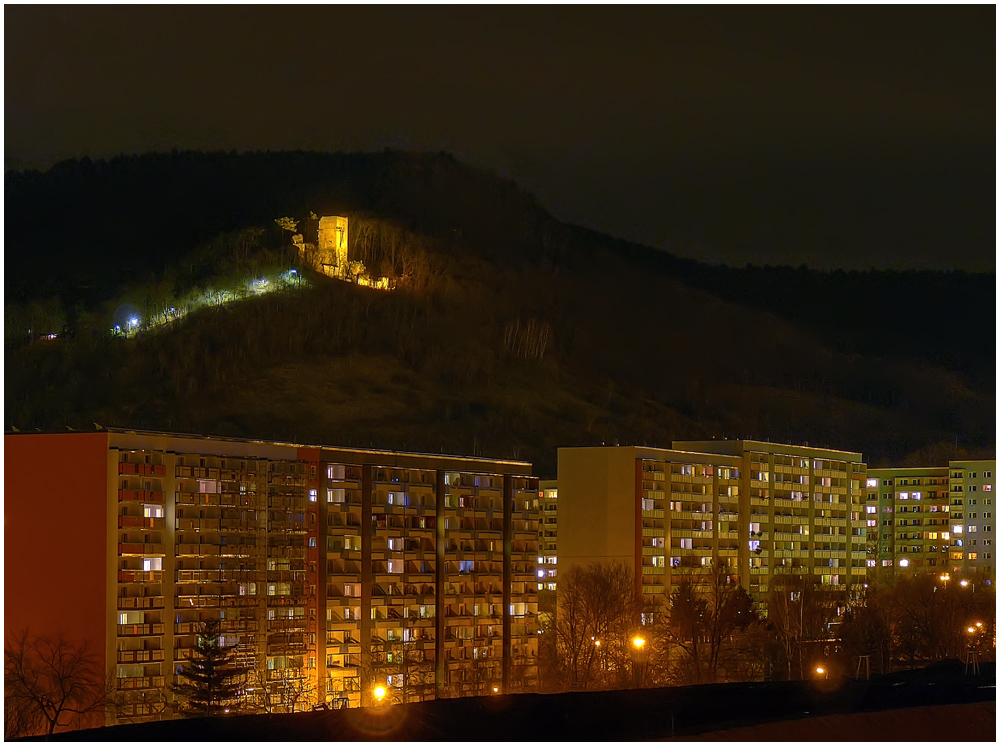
(847, 136)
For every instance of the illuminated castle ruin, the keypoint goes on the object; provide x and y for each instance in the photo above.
(331, 254)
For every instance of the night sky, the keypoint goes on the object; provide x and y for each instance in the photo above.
(835, 137)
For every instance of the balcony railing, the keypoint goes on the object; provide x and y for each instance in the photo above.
(140, 656)
(140, 576)
(142, 682)
(141, 602)
(140, 630)
(146, 496)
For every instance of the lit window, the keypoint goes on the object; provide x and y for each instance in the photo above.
(872, 482)
(956, 529)
(904, 563)
(312, 496)
(152, 563)
(871, 509)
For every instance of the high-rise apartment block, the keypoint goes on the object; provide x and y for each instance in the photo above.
(548, 551)
(760, 510)
(931, 520)
(330, 569)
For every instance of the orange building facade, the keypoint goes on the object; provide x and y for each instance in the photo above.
(330, 570)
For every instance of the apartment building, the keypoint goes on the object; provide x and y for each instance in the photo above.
(931, 520)
(330, 569)
(761, 510)
(548, 552)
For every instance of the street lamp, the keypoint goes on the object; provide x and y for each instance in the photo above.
(638, 669)
(379, 693)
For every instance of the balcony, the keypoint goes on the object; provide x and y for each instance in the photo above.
(140, 550)
(140, 576)
(126, 468)
(196, 550)
(138, 521)
(139, 630)
(142, 682)
(145, 496)
(140, 656)
(141, 602)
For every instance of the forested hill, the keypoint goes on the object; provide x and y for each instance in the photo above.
(508, 333)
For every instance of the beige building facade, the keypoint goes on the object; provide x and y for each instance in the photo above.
(936, 520)
(759, 510)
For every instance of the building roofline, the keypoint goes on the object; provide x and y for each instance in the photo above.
(287, 444)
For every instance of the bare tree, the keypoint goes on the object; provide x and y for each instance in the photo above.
(598, 612)
(51, 684)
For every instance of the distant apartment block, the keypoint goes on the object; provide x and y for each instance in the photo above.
(761, 510)
(331, 569)
(548, 553)
(931, 520)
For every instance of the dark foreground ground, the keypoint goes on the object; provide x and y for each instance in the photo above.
(776, 711)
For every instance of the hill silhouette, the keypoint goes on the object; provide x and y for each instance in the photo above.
(509, 333)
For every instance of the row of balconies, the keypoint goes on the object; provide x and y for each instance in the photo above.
(140, 656)
(140, 576)
(142, 682)
(146, 496)
(247, 625)
(141, 549)
(140, 630)
(141, 602)
(125, 467)
(138, 521)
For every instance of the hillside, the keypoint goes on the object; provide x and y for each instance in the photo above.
(509, 334)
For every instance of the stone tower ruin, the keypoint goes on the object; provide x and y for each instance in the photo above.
(332, 250)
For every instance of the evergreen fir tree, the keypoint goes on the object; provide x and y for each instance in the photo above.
(211, 677)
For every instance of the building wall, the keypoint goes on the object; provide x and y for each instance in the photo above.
(55, 538)
(907, 516)
(548, 535)
(330, 569)
(676, 514)
(973, 520)
(931, 520)
(597, 517)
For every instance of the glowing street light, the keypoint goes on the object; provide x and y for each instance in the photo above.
(638, 642)
(496, 690)
(964, 583)
(970, 630)
(379, 693)
(820, 670)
